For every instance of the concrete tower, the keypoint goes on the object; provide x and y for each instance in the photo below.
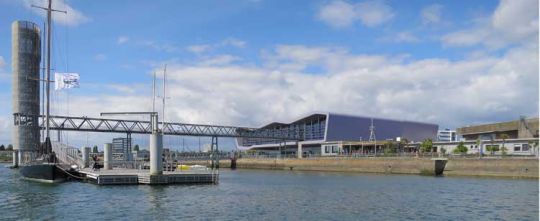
(26, 56)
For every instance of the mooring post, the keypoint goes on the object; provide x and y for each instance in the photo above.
(15, 159)
(107, 156)
(86, 156)
(156, 148)
(299, 150)
(214, 153)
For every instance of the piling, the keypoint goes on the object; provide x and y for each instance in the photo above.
(15, 158)
(85, 156)
(156, 148)
(107, 156)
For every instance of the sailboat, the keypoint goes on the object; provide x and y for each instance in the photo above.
(45, 167)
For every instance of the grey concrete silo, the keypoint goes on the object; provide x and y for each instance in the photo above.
(25, 61)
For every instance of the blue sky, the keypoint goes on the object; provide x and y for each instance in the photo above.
(251, 62)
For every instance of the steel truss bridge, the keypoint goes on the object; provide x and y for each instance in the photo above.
(68, 123)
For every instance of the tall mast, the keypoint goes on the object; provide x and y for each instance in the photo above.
(164, 96)
(154, 93)
(48, 73)
(48, 68)
(42, 87)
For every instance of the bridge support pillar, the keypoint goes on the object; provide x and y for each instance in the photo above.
(299, 151)
(107, 156)
(86, 156)
(156, 149)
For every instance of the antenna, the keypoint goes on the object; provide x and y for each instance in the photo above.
(372, 135)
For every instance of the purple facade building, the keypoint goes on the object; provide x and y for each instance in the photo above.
(330, 134)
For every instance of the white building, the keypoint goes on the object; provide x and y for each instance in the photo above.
(523, 146)
(446, 135)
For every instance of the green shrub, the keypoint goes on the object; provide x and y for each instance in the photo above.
(461, 148)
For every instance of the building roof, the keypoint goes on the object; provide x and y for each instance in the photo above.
(497, 127)
(313, 114)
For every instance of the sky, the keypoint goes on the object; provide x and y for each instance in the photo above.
(251, 62)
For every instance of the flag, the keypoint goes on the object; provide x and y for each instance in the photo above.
(66, 80)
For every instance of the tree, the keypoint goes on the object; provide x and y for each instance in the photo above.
(479, 146)
(9, 147)
(492, 149)
(461, 148)
(427, 145)
(2, 147)
(403, 143)
(95, 149)
(503, 148)
(136, 148)
(389, 147)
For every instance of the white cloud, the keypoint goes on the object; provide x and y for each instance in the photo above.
(338, 14)
(233, 42)
(451, 93)
(516, 19)
(448, 92)
(170, 48)
(122, 40)
(202, 48)
(100, 57)
(197, 49)
(2, 62)
(4, 76)
(513, 22)
(73, 17)
(343, 14)
(220, 60)
(431, 14)
(401, 37)
(373, 13)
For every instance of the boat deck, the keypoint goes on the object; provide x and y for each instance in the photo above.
(121, 176)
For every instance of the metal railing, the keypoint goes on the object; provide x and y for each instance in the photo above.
(66, 154)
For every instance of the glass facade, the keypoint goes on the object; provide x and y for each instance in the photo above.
(309, 128)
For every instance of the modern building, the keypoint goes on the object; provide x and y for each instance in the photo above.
(121, 149)
(326, 134)
(520, 146)
(447, 135)
(141, 155)
(517, 129)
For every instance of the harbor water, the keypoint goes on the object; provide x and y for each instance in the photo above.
(276, 195)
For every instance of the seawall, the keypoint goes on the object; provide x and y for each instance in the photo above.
(502, 167)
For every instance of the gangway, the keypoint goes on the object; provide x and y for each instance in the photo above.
(69, 123)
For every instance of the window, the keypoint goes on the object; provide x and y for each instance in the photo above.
(517, 147)
(525, 147)
(326, 149)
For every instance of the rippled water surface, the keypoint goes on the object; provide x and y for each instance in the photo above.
(276, 195)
